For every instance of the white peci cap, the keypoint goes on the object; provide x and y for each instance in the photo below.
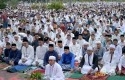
(112, 46)
(89, 48)
(52, 58)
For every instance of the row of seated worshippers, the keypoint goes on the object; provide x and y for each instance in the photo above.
(89, 62)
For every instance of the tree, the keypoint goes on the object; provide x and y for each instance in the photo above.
(13, 3)
(2, 4)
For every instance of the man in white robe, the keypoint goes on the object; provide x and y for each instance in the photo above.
(53, 70)
(118, 48)
(121, 64)
(80, 40)
(76, 50)
(18, 42)
(40, 53)
(89, 62)
(109, 61)
(27, 54)
(59, 49)
(121, 42)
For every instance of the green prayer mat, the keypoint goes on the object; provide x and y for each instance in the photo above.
(76, 75)
(116, 77)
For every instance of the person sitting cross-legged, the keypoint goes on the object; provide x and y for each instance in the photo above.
(89, 62)
(110, 61)
(67, 60)
(14, 55)
(5, 54)
(40, 53)
(50, 52)
(27, 54)
(53, 70)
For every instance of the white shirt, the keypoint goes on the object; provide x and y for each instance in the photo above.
(18, 43)
(40, 52)
(28, 53)
(81, 42)
(121, 62)
(54, 71)
(76, 50)
(107, 57)
(59, 50)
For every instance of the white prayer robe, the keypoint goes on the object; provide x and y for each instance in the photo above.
(76, 50)
(81, 42)
(28, 54)
(59, 50)
(40, 52)
(92, 42)
(109, 67)
(121, 43)
(18, 43)
(121, 62)
(118, 51)
(30, 38)
(54, 72)
(68, 42)
(86, 67)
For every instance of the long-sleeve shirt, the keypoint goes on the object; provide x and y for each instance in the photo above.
(6, 52)
(121, 62)
(94, 62)
(50, 53)
(40, 52)
(28, 53)
(15, 56)
(68, 59)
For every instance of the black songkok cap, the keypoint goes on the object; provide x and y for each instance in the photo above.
(13, 44)
(66, 47)
(59, 41)
(25, 39)
(40, 39)
(51, 45)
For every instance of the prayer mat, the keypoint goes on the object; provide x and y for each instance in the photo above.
(116, 77)
(91, 77)
(76, 75)
(4, 75)
(71, 79)
(3, 65)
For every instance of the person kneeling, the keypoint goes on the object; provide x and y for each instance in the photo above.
(89, 62)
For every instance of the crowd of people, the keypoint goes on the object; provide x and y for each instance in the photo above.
(92, 34)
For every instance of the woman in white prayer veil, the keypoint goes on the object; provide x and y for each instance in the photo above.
(53, 70)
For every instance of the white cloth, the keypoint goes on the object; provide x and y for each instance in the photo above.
(81, 42)
(28, 54)
(76, 50)
(40, 53)
(118, 51)
(54, 71)
(109, 65)
(86, 67)
(59, 50)
(18, 44)
(121, 62)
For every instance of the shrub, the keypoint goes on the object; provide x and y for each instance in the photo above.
(35, 6)
(2, 5)
(56, 5)
(36, 75)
